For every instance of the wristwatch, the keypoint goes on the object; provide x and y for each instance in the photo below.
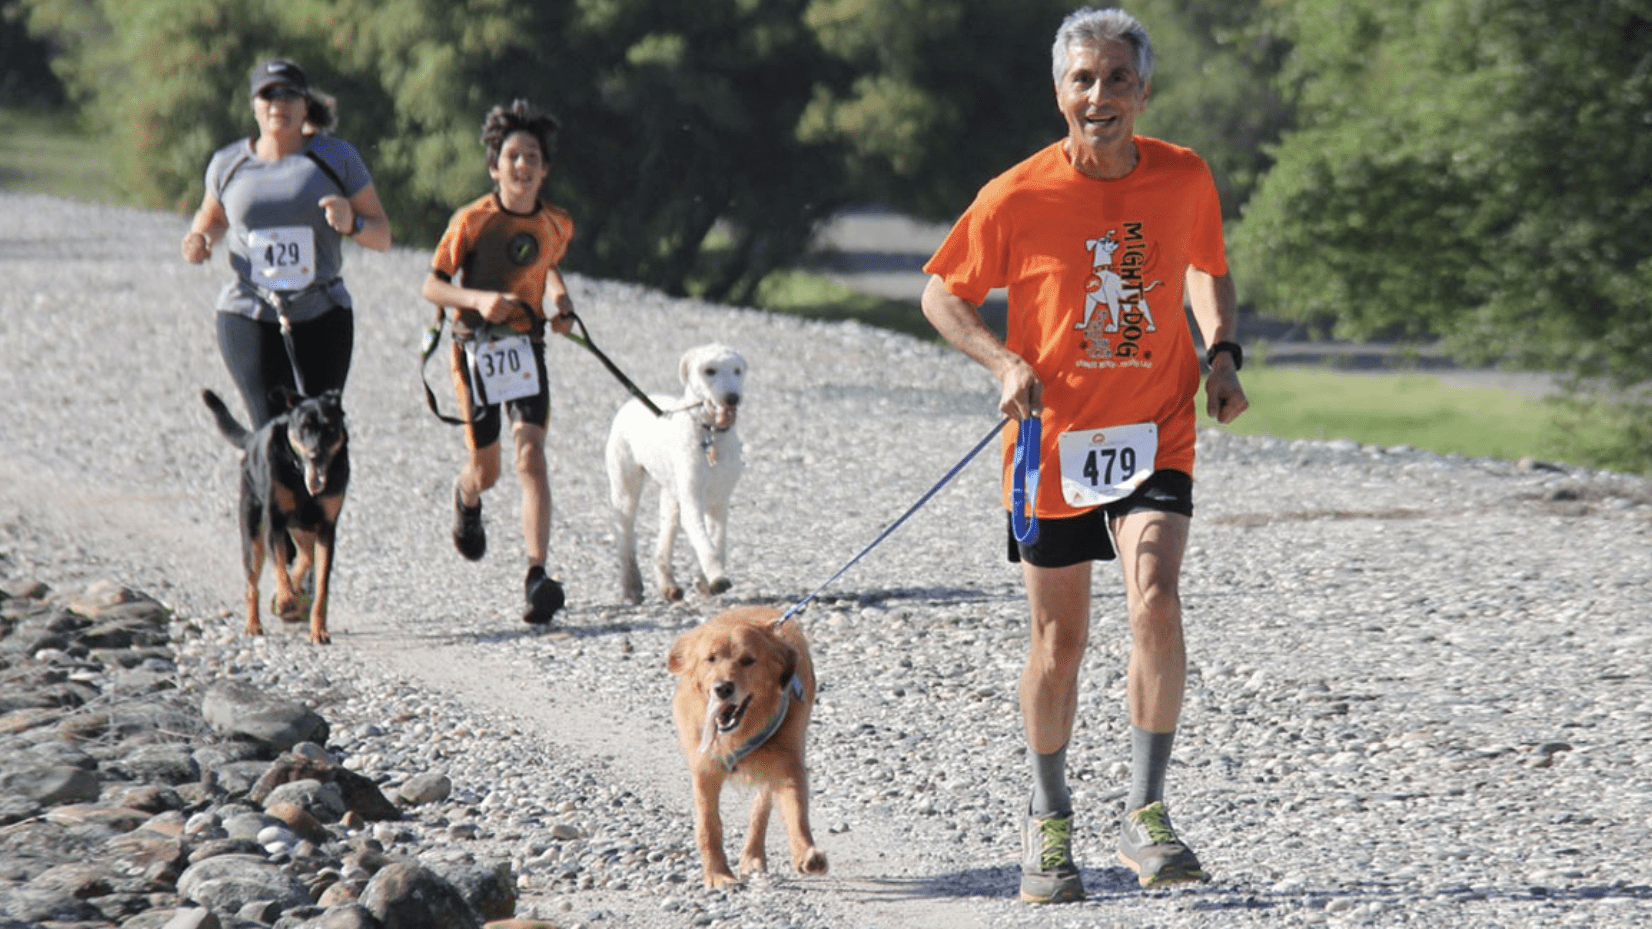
(355, 227)
(1232, 348)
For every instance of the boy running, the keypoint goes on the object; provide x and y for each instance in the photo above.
(496, 268)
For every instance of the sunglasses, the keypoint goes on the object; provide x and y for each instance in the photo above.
(280, 92)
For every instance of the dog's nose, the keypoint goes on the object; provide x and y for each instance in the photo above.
(723, 690)
(731, 399)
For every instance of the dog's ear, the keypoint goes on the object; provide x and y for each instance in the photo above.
(676, 661)
(788, 658)
(285, 397)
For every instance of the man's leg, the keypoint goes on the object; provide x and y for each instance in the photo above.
(1058, 600)
(1151, 545)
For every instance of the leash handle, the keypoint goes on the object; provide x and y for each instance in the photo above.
(798, 606)
(1024, 481)
(584, 338)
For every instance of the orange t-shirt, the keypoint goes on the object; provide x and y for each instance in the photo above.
(495, 249)
(1094, 271)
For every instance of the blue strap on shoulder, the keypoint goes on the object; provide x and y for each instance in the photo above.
(1024, 481)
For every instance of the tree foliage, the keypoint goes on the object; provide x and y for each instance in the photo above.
(703, 143)
(1473, 170)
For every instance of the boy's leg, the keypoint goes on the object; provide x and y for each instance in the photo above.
(543, 594)
(536, 490)
(481, 471)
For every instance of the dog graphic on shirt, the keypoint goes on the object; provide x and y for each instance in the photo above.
(1106, 286)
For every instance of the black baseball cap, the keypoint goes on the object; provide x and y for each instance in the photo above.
(278, 71)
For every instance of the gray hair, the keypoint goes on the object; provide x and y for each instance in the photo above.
(1093, 27)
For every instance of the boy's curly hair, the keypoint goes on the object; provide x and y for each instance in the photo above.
(520, 116)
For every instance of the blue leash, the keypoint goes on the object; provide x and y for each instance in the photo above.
(1024, 481)
(799, 605)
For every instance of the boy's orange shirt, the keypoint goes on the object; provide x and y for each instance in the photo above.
(1095, 270)
(490, 248)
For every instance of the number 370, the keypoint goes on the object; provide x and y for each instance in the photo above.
(1106, 466)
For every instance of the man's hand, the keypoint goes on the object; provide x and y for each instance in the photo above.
(1224, 398)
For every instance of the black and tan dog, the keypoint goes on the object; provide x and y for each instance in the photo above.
(294, 471)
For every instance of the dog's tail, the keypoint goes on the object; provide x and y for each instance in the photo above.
(227, 424)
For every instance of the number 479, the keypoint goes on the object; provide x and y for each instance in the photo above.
(1100, 465)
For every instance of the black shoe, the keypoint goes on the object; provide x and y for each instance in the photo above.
(544, 596)
(469, 536)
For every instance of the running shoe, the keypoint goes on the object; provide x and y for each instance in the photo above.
(469, 536)
(544, 597)
(1148, 845)
(1048, 874)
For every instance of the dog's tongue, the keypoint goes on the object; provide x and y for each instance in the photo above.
(709, 731)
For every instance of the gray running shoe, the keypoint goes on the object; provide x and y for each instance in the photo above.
(469, 536)
(1149, 846)
(1048, 874)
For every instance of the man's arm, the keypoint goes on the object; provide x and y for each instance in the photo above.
(959, 322)
(1216, 310)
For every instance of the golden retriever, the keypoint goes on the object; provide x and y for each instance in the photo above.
(744, 693)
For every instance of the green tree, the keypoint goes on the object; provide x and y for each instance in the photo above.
(26, 77)
(1472, 170)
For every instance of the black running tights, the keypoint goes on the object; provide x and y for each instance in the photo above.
(257, 357)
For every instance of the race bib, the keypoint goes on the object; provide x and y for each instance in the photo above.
(1102, 465)
(502, 368)
(282, 257)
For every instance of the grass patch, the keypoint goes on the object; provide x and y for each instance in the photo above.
(1386, 409)
(44, 153)
(815, 296)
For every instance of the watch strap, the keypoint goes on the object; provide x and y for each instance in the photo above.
(1232, 348)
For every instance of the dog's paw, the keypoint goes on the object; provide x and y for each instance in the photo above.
(320, 637)
(812, 861)
(717, 880)
(292, 610)
(671, 592)
(753, 864)
(715, 586)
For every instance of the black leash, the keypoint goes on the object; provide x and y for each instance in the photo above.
(428, 348)
(798, 606)
(584, 338)
(433, 335)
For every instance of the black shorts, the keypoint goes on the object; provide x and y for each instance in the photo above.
(484, 426)
(1070, 540)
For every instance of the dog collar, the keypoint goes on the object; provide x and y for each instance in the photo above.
(730, 759)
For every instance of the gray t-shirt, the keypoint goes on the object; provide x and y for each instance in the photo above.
(267, 202)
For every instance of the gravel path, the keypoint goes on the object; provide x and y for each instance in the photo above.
(1418, 688)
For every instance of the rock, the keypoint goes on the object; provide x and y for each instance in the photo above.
(240, 709)
(409, 896)
(228, 882)
(50, 785)
(193, 918)
(489, 887)
(425, 788)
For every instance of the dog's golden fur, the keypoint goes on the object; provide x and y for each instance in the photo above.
(733, 674)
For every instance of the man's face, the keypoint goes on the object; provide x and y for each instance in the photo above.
(520, 168)
(1101, 95)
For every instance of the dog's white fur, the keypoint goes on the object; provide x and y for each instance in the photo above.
(693, 453)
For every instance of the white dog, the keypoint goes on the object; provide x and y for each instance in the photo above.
(693, 453)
